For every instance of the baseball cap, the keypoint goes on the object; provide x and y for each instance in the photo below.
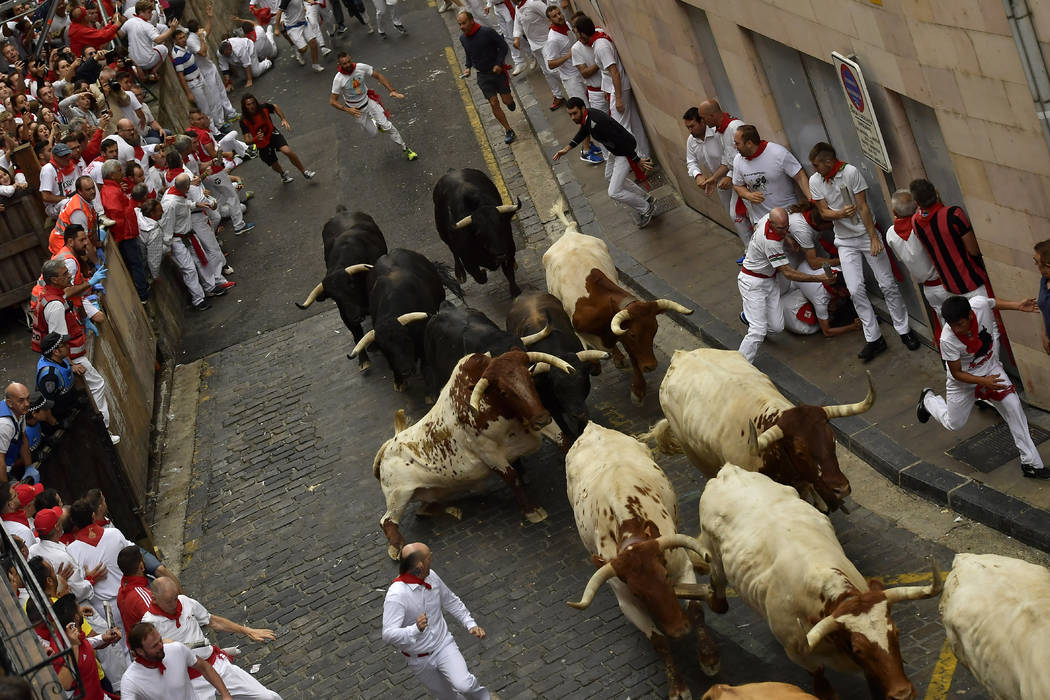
(37, 402)
(52, 340)
(61, 149)
(45, 520)
(26, 493)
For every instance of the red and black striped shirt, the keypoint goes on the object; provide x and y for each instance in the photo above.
(941, 230)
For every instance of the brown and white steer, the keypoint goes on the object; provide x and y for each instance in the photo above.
(781, 556)
(757, 691)
(582, 275)
(719, 408)
(487, 416)
(994, 610)
(627, 514)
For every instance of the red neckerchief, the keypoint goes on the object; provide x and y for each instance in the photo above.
(103, 522)
(250, 35)
(972, 339)
(68, 538)
(353, 67)
(472, 30)
(157, 610)
(726, 119)
(139, 152)
(159, 665)
(808, 216)
(510, 8)
(902, 226)
(758, 151)
(412, 578)
(172, 190)
(171, 173)
(44, 633)
(839, 165)
(598, 34)
(925, 215)
(562, 29)
(58, 167)
(19, 517)
(92, 535)
(771, 233)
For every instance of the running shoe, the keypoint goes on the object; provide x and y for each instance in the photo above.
(252, 152)
(317, 67)
(510, 136)
(248, 226)
(558, 102)
(382, 34)
(300, 58)
(401, 28)
(591, 158)
(371, 29)
(410, 154)
(341, 29)
(248, 194)
(309, 174)
(228, 270)
(325, 51)
(202, 306)
(512, 106)
(286, 178)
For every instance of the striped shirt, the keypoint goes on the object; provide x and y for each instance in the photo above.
(941, 230)
(185, 62)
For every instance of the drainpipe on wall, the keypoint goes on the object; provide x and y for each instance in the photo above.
(1032, 60)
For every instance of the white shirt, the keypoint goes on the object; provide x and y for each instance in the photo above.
(770, 173)
(556, 46)
(7, 431)
(243, 53)
(192, 617)
(141, 683)
(57, 554)
(986, 360)
(130, 111)
(293, 14)
(850, 179)
(353, 88)
(94, 170)
(530, 21)
(583, 55)
(26, 533)
(104, 551)
(55, 318)
(141, 34)
(405, 602)
(765, 254)
(703, 154)
(63, 186)
(913, 254)
(204, 63)
(605, 55)
(176, 219)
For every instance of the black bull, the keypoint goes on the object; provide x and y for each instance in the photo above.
(352, 244)
(475, 225)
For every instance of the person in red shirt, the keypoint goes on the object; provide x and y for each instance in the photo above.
(134, 596)
(258, 129)
(82, 34)
(119, 207)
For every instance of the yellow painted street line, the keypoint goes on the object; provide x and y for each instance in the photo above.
(941, 680)
(475, 124)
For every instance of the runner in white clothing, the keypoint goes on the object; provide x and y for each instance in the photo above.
(291, 18)
(350, 94)
(218, 99)
(530, 21)
(383, 8)
(319, 17)
(840, 193)
(909, 249)
(557, 52)
(765, 173)
(161, 671)
(503, 11)
(240, 51)
(970, 347)
(721, 178)
(146, 42)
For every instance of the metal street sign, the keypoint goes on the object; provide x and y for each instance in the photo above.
(860, 108)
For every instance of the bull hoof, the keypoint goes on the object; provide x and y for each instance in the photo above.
(680, 694)
(636, 399)
(454, 512)
(392, 552)
(536, 515)
(709, 663)
(365, 366)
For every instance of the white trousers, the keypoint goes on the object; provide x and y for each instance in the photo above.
(230, 142)
(239, 682)
(96, 385)
(553, 81)
(953, 411)
(574, 85)
(372, 120)
(815, 292)
(265, 44)
(444, 673)
(199, 89)
(621, 189)
(186, 260)
(852, 254)
(935, 296)
(259, 67)
(506, 29)
(321, 22)
(382, 8)
(477, 8)
(226, 194)
(218, 100)
(210, 274)
(631, 120)
(744, 229)
(760, 298)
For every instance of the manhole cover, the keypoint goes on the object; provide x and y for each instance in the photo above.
(665, 204)
(993, 447)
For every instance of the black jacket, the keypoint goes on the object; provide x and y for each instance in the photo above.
(484, 50)
(608, 132)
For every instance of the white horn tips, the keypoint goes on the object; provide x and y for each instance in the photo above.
(768, 437)
(536, 337)
(852, 409)
(616, 324)
(312, 297)
(479, 391)
(902, 593)
(405, 319)
(354, 269)
(552, 360)
(668, 305)
(540, 368)
(820, 630)
(365, 341)
(603, 574)
(592, 355)
(464, 222)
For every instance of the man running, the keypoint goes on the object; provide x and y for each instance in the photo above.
(351, 94)
(487, 51)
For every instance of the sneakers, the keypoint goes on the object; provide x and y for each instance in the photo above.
(300, 58)
(518, 69)
(646, 216)
(512, 106)
(317, 68)
(309, 174)
(910, 341)
(558, 102)
(591, 158)
(106, 221)
(243, 229)
(228, 270)
(920, 409)
(371, 29)
(248, 194)
(252, 152)
(221, 289)
(872, 348)
(740, 260)
(382, 34)
(115, 439)
(401, 28)
(743, 319)
(509, 136)
(341, 29)
(286, 178)
(202, 306)
(445, 6)
(325, 51)
(410, 154)
(1027, 470)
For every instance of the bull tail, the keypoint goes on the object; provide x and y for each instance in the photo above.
(448, 279)
(663, 436)
(558, 210)
(400, 423)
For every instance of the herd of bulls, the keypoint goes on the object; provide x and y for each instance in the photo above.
(771, 466)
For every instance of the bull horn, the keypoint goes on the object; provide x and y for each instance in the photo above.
(603, 574)
(820, 630)
(312, 297)
(365, 341)
(852, 409)
(668, 305)
(354, 269)
(901, 593)
(615, 324)
(405, 319)
(693, 591)
(479, 390)
(768, 437)
(540, 368)
(592, 355)
(464, 222)
(536, 337)
(509, 208)
(679, 540)
(551, 360)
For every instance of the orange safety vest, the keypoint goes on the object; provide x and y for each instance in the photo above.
(74, 326)
(38, 290)
(76, 203)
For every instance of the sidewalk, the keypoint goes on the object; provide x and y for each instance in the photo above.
(684, 256)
